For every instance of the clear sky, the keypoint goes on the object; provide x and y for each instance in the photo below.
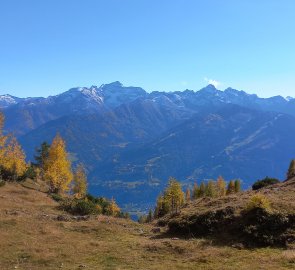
(49, 46)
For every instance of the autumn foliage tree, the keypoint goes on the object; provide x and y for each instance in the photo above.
(202, 190)
(216, 188)
(57, 167)
(210, 189)
(174, 195)
(12, 157)
(230, 187)
(195, 191)
(162, 207)
(221, 186)
(113, 209)
(80, 182)
(3, 138)
(171, 200)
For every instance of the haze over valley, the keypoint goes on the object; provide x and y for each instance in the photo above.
(132, 141)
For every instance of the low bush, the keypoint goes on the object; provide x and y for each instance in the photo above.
(90, 205)
(264, 183)
(264, 228)
(56, 197)
(80, 207)
(258, 201)
(85, 208)
(107, 207)
(66, 205)
(7, 175)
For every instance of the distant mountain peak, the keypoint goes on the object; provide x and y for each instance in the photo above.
(237, 93)
(288, 98)
(112, 85)
(210, 87)
(7, 97)
(229, 89)
(6, 100)
(93, 87)
(233, 91)
(116, 83)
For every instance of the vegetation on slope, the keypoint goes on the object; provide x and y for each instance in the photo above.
(267, 181)
(34, 237)
(53, 173)
(253, 218)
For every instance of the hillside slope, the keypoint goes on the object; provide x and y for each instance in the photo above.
(230, 219)
(33, 238)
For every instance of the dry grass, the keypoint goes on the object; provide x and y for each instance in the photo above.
(289, 256)
(31, 238)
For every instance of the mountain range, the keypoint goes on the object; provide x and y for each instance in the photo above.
(132, 141)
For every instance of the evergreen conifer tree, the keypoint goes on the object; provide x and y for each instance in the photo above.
(41, 155)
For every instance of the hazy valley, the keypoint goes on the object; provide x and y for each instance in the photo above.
(132, 141)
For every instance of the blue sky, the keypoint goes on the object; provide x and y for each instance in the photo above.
(49, 46)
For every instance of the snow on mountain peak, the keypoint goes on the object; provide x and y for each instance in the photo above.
(7, 100)
(288, 98)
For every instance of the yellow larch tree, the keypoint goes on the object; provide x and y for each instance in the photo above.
(113, 209)
(14, 160)
(80, 182)
(12, 157)
(221, 186)
(195, 191)
(210, 190)
(57, 167)
(230, 188)
(3, 139)
(202, 190)
(174, 195)
(162, 207)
